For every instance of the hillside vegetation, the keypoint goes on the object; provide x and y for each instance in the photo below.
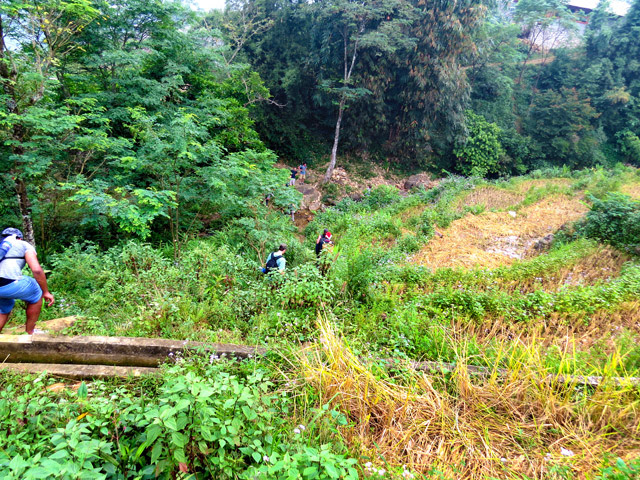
(529, 313)
(478, 316)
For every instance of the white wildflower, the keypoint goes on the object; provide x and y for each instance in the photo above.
(296, 431)
(566, 452)
(406, 474)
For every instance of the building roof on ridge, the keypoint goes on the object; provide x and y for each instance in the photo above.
(617, 7)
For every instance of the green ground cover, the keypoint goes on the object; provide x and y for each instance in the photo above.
(523, 316)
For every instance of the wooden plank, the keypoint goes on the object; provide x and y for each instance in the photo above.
(96, 350)
(80, 372)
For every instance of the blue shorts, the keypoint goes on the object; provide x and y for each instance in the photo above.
(25, 288)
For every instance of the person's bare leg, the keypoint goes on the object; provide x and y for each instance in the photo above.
(3, 320)
(33, 312)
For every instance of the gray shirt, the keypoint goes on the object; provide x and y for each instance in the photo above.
(11, 268)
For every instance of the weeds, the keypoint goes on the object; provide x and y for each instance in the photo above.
(501, 426)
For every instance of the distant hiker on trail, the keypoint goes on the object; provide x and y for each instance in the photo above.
(14, 253)
(292, 180)
(276, 260)
(303, 172)
(323, 239)
(267, 199)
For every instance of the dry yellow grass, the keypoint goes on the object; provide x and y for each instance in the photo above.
(632, 189)
(466, 241)
(492, 198)
(604, 264)
(496, 427)
(526, 185)
(562, 330)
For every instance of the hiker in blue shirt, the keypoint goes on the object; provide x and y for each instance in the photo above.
(303, 172)
(276, 260)
(14, 254)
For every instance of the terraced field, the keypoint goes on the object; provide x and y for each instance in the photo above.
(504, 280)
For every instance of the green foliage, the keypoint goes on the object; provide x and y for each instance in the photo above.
(303, 287)
(561, 121)
(629, 146)
(408, 56)
(150, 135)
(381, 196)
(203, 416)
(132, 209)
(307, 463)
(614, 220)
(621, 470)
(409, 244)
(480, 155)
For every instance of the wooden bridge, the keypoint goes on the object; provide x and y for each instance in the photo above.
(95, 356)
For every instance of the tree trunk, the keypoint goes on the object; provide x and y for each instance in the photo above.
(8, 77)
(25, 212)
(336, 138)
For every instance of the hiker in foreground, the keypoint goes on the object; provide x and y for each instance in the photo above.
(323, 239)
(14, 253)
(276, 260)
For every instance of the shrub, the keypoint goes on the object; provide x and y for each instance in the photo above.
(481, 154)
(409, 244)
(381, 196)
(629, 145)
(614, 220)
(204, 417)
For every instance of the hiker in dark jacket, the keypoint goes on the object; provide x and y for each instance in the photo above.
(292, 180)
(323, 239)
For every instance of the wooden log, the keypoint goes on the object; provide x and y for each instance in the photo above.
(94, 350)
(595, 381)
(80, 372)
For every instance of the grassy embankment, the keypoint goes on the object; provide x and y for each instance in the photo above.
(481, 294)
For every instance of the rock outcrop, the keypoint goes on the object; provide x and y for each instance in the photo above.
(311, 197)
(419, 180)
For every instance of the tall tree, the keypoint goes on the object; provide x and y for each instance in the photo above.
(546, 25)
(562, 123)
(34, 38)
(345, 29)
(433, 85)
(612, 70)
